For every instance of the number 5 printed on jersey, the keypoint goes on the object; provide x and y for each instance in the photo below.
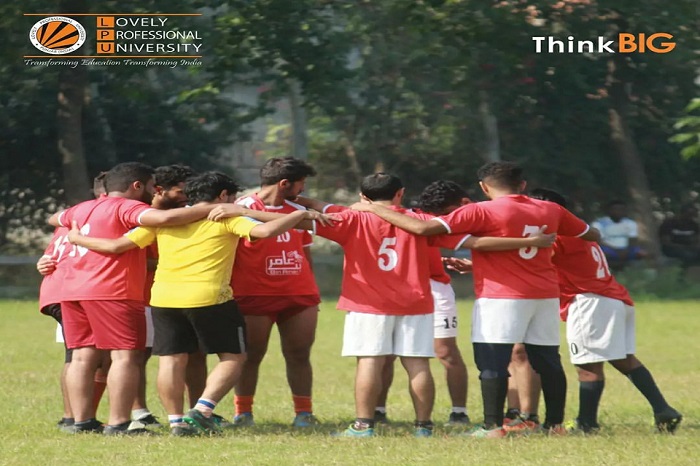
(388, 259)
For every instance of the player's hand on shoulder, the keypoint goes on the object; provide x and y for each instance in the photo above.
(324, 219)
(458, 265)
(543, 240)
(223, 211)
(74, 232)
(46, 265)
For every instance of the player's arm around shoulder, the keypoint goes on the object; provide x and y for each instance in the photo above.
(174, 217)
(278, 226)
(102, 245)
(408, 223)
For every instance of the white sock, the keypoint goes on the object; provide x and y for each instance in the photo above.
(459, 410)
(137, 414)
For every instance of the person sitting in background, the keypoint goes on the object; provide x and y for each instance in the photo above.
(680, 236)
(619, 239)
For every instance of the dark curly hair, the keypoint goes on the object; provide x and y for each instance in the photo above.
(544, 194)
(170, 176)
(439, 195)
(207, 187)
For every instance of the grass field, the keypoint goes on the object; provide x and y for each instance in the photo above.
(667, 343)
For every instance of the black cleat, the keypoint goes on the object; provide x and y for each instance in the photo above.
(668, 420)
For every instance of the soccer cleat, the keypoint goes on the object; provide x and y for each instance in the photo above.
(65, 422)
(558, 430)
(511, 414)
(458, 420)
(483, 432)
(355, 433)
(197, 419)
(668, 420)
(149, 420)
(184, 431)
(93, 426)
(305, 419)
(422, 432)
(221, 421)
(574, 428)
(125, 428)
(244, 420)
(380, 417)
(521, 426)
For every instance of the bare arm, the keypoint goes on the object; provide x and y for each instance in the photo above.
(103, 245)
(591, 235)
(278, 226)
(309, 203)
(174, 217)
(491, 243)
(306, 222)
(53, 220)
(410, 224)
(458, 265)
(46, 265)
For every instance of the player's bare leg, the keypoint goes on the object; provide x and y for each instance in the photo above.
(527, 381)
(447, 352)
(139, 410)
(67, 412)
(368, 384)
(258, 329)
(387, 379)
(122, 382)
(422, 388)
(171, 382)
(196, 376)
(667, 419)
(80, 382)
(512, 398)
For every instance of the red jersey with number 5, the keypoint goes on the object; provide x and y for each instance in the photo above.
(274, 266)
(525, 273)
(92, 276)
(582, 268)
(50, 291)
(385, 270)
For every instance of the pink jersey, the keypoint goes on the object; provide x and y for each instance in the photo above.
(526, 273)
(92, 276)
(582, 268)
(50, 291)
(384, 271)
(275, 266)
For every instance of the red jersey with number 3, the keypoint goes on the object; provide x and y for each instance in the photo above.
(92, 276)
(273, 266)
(582, 268)
(525, 273)
(385, 270)
(50, 291)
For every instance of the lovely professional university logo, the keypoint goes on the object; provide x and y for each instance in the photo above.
(57, 35)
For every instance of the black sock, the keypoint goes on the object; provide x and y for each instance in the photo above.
(424, 424)
(512, 413)
(589, 394)
(554, 394)
(362, 423)
(642, 379)
(493, 394)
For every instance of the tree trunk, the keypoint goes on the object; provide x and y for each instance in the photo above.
(492, 146)
(623, 139)
(300, 147)
(71, 97)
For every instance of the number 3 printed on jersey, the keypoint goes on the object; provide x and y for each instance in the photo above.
(388, 259)
(529, 252)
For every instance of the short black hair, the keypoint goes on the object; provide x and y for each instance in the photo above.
(502, 174)
(285, 168)
(439, 195)
(207, 187)
(380, 186)
(169, 176)
(121, 176)
(98, 184)
(548, 195)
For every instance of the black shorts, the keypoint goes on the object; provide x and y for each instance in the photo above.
(213, 329)
(54, 310)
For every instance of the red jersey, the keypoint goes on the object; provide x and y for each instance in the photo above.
(92, 276)
(582, 268)
(384, 270)
(526, 273)
(274, 266)
(437, 269)
(50, 291)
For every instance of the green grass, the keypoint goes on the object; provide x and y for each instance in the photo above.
(666, 340)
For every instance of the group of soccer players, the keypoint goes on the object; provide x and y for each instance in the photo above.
(228, 269)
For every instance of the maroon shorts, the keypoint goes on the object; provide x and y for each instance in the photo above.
(277, 308)
(107, 325)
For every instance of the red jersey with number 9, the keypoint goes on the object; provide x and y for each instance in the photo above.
(50, 291)
(385, 270)
(274, 266)
(92, 276)
(582, 268)
(525, 273)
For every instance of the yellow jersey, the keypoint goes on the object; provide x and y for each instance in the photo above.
(195, 260)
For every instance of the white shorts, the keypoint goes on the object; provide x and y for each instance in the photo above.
(149, 327)
(381, 335)
(445, 316)
(599, 329)
(59, 334)
(533, 321)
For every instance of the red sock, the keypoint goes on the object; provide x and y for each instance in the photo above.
(243, 403)
(302, 404)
